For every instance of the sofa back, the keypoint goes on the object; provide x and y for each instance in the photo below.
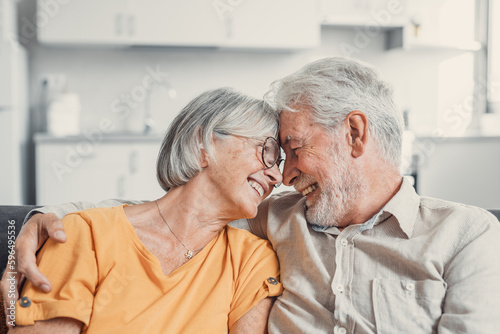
(11, 220)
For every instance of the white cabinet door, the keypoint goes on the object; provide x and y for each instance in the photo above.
(273, 24)
(248, 24)
(174, 22)
(79, 171)
(83, 21)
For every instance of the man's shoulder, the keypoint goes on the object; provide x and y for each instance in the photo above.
(285, 200)
(276, 210)
(457, 213)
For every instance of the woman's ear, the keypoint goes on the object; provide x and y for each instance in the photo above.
(358, 132)
(204, 158)
(204, 155)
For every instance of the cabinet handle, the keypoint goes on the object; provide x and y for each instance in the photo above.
(229, 26)
(118, 24)
(120, 186)
(131, 25)
(132, 162)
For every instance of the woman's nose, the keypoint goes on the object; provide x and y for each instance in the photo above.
(274, 174)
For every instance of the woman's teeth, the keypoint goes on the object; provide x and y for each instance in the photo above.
(309, 189)
(257, 187)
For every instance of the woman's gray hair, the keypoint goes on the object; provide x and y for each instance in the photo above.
(333, 87)
(215, 114)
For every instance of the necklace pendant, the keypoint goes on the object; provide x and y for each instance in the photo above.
(189, 254)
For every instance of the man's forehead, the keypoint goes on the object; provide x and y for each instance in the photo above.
(288, 138)
(293, 126)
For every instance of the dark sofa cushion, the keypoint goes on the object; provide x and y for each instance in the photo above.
(496, 213)
(11, 220)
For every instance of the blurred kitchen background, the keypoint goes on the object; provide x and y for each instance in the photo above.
(88, 87)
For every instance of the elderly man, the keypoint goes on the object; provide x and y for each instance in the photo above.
(360, 251)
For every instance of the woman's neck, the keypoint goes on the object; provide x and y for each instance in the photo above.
(192, 213)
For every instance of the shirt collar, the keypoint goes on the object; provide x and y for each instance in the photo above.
(366, 226)
(403, 206)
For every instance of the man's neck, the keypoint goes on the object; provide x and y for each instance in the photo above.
(380, 190)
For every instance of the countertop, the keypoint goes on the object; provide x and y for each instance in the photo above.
(116, 137)
(477, 137)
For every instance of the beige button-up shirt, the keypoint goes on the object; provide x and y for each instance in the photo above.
(422, 265)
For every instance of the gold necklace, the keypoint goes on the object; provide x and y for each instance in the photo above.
(189, 253)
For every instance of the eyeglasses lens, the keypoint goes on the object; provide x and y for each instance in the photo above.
(271, 152)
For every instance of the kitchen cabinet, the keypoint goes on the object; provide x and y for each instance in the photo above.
(407, 24)
(364, 13)
(369, 18)
(438, 25)
(76, 168)
(173, 22)
(273, 24)
(83, 21)
(205, 23)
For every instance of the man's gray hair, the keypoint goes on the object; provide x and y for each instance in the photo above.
(333, 87)
(214, 114)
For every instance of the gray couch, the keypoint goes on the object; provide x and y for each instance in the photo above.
(11, 220)
(14, 216)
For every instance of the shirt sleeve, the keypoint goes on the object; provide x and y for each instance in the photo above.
(258, 278)
(258, 224)
(472, 300)
(71, 267)
(271, 211)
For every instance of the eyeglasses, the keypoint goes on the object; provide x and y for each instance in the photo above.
(271, 155)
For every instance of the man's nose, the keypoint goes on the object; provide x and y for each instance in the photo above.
(290, 172)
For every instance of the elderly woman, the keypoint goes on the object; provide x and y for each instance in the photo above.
(173, 265)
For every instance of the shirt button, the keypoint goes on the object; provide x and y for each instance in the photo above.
(342, 330)
(25, 302)
(410, 286)
(344, 242)
(340, 288)
(272, 280)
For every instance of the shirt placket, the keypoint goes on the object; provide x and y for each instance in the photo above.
(341, 283)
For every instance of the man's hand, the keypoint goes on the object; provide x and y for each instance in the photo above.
(31, 238)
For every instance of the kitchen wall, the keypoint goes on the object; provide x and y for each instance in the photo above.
(101, 75)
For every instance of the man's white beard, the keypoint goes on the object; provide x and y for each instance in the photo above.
(340, 190)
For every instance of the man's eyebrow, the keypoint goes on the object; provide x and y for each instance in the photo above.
(288, 140)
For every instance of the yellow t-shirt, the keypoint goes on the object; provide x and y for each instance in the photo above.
(105, 277)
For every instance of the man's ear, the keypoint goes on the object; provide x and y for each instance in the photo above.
(357, 134)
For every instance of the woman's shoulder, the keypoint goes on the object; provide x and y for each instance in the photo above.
(241, 234)
(99, 218)
(246, 243)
